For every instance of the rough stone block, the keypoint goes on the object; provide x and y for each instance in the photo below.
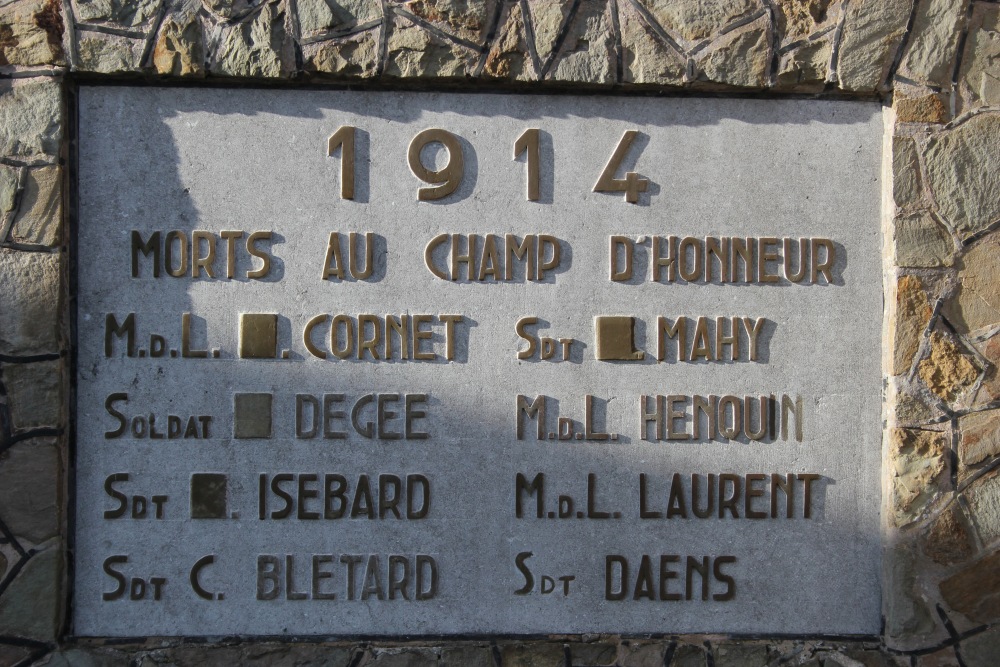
(974, 591)
(318, 16)
(687, 655)
(871, 34)
(805, 67)
(34, 393)
(646, 57)
(532, 655)
(920, 468)
(180, 47)
(932, 108)
(417, 53)
(39, 217)
(255, 48)
(948, 541)
(90, 657)
(593, 655)
(29, 608)
(548, 18)
(930, 51)
(695, 20)
(29, 301)
(984, 506)
(30, 117)
(509, 55)
(466, 656)
(976, 302)
(980, 439)
(982, 649)
(109, 54)
(966, 197)
(740, 59)
(468, 20)
(415, 657)
(906, 613)
(642, 655)
(31, 33)
(29, 489)
(913, 313)
(739, 654)
(121, 13)
(353, 56)
(979, 74)
(588, 55)
(906, 183)
(920, 241)
(948, 370)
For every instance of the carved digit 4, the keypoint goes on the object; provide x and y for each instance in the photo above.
(632, 184)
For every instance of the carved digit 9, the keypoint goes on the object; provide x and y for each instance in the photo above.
(448, 178)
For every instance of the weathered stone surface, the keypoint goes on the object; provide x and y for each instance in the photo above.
(518, 655)
(979, 74)
(642, 655)
(254, 48)
(948, 541)
(697, 19)
(34, 393)
(871, 34)
(180, 47)
(984, 507)
(980, 436)
(593, 655)
(415, 657)
(39, 216)
(470, 656)
(930, 51)
(29, 301)
(29, 607)
(467, 19)
(3, 566)
(355, 55)
(966, 197)
(989, 388)
(906, 183)
(920, 241)
(687, 655)
(127, 13)
(548, 18)
(645, 57)
(947, 370)
(108, 54)
(920, 470)
(509, 56)
(944, 658)
(31, 33)
(976, 303)
(8, 190)
(913, 313)
(797, 19)
(981, 650)
(805, 67)
(912, 409)
(252, 655)
(88, 658)
(906, 612)
(416, 53)
(13, 655)
(30, 117)
(319, 16)
(733, 654)
(588, 53)
(232, 10)
(974, 591)
(921, 109)
(740, 59)
(29, 484)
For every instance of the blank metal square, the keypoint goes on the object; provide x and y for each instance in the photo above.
(251, 416)
(615, 338)
(258, 335)
(208, 495)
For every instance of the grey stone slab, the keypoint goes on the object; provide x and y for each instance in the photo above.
(255, 161)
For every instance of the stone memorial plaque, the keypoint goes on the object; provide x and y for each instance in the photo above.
(366, 363)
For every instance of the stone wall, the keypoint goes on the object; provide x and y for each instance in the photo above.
(936, 62)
